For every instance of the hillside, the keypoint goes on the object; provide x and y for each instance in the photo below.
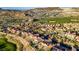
(53, 12)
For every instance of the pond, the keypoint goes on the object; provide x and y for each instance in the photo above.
(54, 41)
(65, 46)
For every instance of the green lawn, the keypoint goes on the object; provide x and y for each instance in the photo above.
(59, 20)
(6, 46)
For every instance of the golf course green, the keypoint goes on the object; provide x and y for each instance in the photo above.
(6, 46)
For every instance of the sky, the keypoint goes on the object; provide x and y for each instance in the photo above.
(18, 8)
